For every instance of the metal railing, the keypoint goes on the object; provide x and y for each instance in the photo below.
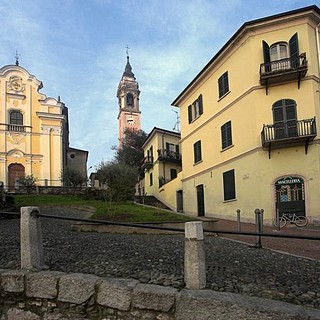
(150, 226)
(292, 129)
(283, 65)
(32, 256)
(165, 154)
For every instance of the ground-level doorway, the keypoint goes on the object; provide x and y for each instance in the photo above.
(16, 171)
(290, 196)
(180, 201)
(200, 200)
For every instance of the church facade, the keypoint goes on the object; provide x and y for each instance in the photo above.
(34, 131)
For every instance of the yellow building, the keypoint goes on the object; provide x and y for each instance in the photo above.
(33, 130)
(162, 167)
(249, 122)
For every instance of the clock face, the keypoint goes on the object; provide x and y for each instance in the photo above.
(131, 121)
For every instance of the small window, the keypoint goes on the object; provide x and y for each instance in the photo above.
(223, 83)
(226, 136)
(229, 187)
(16, 117)
(151, 179)
(195, 109)
(197, 151)
(173, 173)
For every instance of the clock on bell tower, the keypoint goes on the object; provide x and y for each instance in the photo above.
(128, 100)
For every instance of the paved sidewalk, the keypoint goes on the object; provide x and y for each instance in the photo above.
(303, 248)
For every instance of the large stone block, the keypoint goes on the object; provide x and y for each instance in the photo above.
(116, 293)
(154, 297)
(77, 288)
(207, 304)
(32, 257)
(15, 314)
(194, 264)
(13, 280)
(43, 284)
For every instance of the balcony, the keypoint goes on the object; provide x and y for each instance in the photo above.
(283, 70)
(147, 163)
(289, 134)
(165, 155)
(14, 127)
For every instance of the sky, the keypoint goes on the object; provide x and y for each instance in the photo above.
(77, 48)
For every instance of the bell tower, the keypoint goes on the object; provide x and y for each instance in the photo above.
(128, 100)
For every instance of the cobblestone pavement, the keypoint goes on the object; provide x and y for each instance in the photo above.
(158, 259)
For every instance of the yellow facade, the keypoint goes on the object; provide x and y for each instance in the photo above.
(162, 166)
(31, 130)
(240, 165)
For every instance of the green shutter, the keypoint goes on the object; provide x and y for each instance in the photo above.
(294, 50)
(229, 187)
(200, 104)
(190, 113)
(266, 52)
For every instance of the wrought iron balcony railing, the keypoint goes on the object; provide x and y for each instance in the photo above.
(169, 156)
(283, 70)
(147, 162)
(291, 133)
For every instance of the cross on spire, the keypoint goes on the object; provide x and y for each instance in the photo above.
(17, 56)
(127, 51)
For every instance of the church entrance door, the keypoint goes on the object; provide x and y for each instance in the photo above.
(16, 171)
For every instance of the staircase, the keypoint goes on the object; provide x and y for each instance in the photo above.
(151, 201)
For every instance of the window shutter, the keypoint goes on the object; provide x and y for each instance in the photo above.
(200, 104)
(223, 83)
(294, 50)
(223, 136)
(190, 113)
(177, 149)
(167, 147)
(290, 110)
(197, 151)
(266, 52)
(226, 135)
(229, 185)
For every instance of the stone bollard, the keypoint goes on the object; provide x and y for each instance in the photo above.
(31, 239)
(194, 256)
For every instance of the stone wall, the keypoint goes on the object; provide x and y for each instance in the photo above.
(50, 295)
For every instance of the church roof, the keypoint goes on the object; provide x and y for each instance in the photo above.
(128, 70)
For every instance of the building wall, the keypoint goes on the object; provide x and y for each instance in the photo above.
(37, 145)
(160, 169)
(248, 107)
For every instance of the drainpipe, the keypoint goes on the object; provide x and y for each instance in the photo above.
(318, 45)
(164, 163)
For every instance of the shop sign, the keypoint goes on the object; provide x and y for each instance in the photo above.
(289, 180)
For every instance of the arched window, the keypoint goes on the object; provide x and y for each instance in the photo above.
(16, 117)
(279, 51)
(130, 99)
(285, 118)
